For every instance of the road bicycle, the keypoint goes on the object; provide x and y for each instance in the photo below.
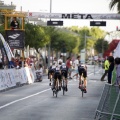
(63, 83)
(56, 86)
(81, 85)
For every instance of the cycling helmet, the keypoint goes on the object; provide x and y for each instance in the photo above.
(63, 64)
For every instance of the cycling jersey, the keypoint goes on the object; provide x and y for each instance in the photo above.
(64, 70)
(52, 69)
(57, 69)
(82, 70)
(57, 73)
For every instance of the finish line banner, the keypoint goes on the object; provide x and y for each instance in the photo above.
(73, 16)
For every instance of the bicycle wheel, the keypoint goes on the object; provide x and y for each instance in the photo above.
(82, 92)
(63, 86)
(53, 93)
(56, 88)
(56, 92)
(82, 89)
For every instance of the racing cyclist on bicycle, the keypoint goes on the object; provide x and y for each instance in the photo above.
(51, 72)
(64, 71)
(82, 70)
(57, 75)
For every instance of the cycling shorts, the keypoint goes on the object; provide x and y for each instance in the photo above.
(57, 75)
(65, 73)
(51, 71)
(84, 73)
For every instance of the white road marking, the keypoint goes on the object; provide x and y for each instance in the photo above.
(15, 101)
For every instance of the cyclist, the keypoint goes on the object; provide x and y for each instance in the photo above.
(57, 75)
(51, 72)
(82, 70)
(64, 71)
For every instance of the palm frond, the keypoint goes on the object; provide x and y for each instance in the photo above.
(113, 3)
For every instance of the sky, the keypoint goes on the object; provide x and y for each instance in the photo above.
(69, 6)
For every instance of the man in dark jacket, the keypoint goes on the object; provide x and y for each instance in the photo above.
(111, 68)
(14, 24)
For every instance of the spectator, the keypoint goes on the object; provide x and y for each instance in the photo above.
(117, 64)
(46, 59)
(75, 65)
(17, 63)
(111, 68)
(14, 24)
(106, 67)
(11, 63)
(60, 60)
(69, 65)
(1, 64)
(20, 62)
(39, 73)
(26, 63)
(55, 61)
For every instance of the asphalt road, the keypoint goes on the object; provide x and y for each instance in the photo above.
(36, 102)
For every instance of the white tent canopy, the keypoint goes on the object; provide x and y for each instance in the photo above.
(117, 51)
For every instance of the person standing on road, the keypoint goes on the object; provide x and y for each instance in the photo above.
(117, 64)
(69, 65)
(106, 65)
(60, 60)
(75, 65)
(111, 68)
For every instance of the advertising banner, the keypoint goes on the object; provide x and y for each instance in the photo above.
(73, 15)
(15, 38)
(5, 48)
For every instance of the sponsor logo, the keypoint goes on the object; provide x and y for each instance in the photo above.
(14, 36)
(77, 16)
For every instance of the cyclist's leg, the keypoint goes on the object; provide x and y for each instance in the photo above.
(60, 81)
(50, 77)
(66, 80)
(54, 81)
(85, 81)
(80, 78)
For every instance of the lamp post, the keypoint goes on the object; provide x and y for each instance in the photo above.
(85, 47)
(85, 44)
(50, 7)
(49, 50)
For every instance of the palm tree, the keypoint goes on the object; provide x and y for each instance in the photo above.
(114, 3)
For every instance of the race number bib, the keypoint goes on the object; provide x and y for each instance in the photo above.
(57, 68)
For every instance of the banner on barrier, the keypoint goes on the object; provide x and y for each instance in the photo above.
(9, 77)
(6, 47)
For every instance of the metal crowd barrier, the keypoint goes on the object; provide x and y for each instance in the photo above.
(109, 104)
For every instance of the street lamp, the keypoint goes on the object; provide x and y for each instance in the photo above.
(86, 37)
(49, 50)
